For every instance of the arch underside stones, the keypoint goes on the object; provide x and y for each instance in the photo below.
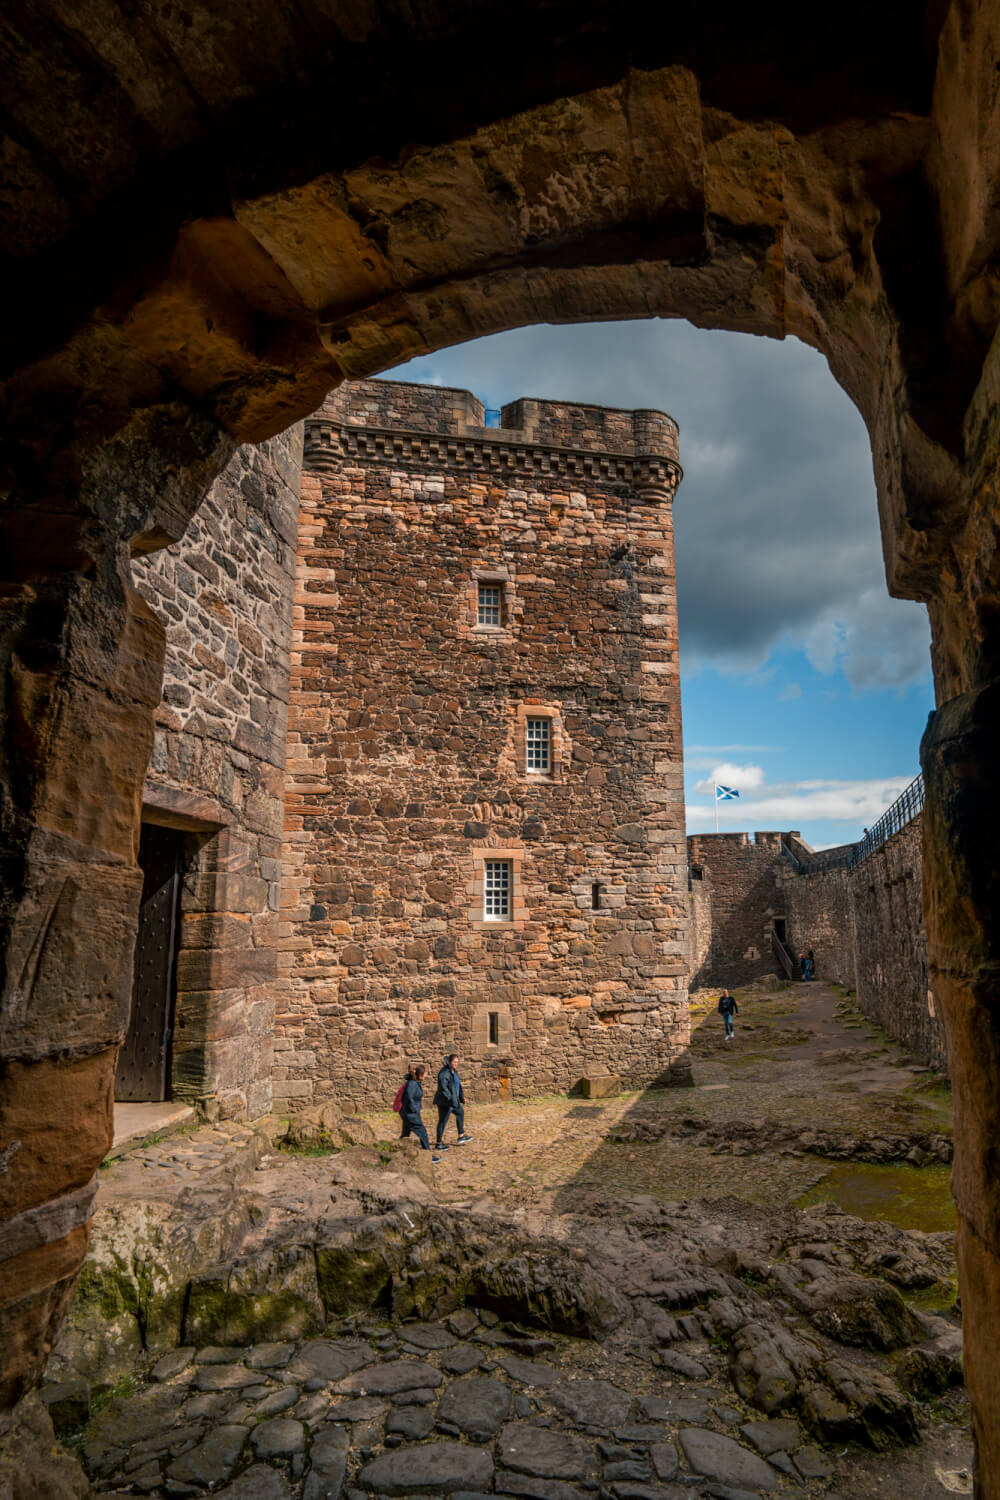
(210, 223)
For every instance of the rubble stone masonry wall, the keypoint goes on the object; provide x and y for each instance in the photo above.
(893, 986)
(407, 767)
(740, 893)
(865, 925)
(820, 917)
(224, 593)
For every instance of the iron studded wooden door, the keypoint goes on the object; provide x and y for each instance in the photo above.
(142, 1062)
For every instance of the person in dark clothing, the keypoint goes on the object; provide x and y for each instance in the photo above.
(802, 966)
(810, 964)
(450, 1099)
(413, 1098)
(727, 1009)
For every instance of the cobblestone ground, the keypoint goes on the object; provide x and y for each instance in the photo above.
(466, 1407)
(472, 1406)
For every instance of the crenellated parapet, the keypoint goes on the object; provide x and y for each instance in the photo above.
(439, 427)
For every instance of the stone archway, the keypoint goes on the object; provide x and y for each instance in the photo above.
(204, 236)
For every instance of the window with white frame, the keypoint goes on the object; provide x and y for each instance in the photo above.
(538, 746)
(497, 884)
(489, 609)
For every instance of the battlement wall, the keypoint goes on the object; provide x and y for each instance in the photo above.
(448, 411)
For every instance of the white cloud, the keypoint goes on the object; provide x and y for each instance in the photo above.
(792, 804)
(879, 642)
(790, 693)
(777, 534)
(743, 778)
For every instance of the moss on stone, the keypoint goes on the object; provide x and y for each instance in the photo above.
(216, 1314)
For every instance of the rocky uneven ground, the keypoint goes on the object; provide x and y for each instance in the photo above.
(613, 1301)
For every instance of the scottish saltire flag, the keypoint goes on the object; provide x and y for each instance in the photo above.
(725, 793)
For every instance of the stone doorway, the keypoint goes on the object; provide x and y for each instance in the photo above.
(143, 1073)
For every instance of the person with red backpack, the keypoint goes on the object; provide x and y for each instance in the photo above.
(408, 1104)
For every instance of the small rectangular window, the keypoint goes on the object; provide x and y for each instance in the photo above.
(497, 890)
(539, 756)
(490, 604)
(494, 1028)
(595, 896)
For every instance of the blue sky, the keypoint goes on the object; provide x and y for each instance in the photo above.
(803, 684)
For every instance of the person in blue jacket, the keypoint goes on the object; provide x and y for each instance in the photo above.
(450, 1099)
(413, 1098)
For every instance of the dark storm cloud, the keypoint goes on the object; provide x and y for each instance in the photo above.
(776, 525)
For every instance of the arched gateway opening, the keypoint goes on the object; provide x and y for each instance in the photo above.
(199, 248)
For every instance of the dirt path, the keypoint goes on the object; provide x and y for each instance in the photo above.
(801, 1058)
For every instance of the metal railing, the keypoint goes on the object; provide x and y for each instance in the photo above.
(903, 811)
(905, 808)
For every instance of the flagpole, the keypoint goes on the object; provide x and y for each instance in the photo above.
(716, 809)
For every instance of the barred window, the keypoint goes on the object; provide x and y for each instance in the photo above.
(490, 605)
(538, 740)
(496, 890)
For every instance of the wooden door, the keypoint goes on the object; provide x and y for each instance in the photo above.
(144, 1057)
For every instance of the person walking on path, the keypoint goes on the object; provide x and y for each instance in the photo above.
(410, 1110)
(727, 1009)
(450, 1099)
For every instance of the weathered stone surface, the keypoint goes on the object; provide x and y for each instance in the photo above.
(592, 1403)
(388, 1379)
(411, 1422)
(276, 1402)
(725, 1460)
(259, 1482)
(461, 1360)
(530, 1372)
(862, 1310)
(273, 1356)
(212, 1460)
(427, 1336)
(770, 1437)
(438, 1468)
(327, 1464)
(172, 1364)
(32, 1464)
(478, 1406)
(600, 1086)
(545, 1452)
(280, 1437)
(222, 1378)
(329, 1359)
(664, 1456)
(932, 1367)
(67, 1402)
(813, 1464)
(683, 1364)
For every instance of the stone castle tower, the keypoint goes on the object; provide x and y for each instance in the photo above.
(484, 847)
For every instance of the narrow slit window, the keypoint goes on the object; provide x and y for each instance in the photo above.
(490, 604)
(539, 746)
(497, 890)
(595, 896)
(494, 1028)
